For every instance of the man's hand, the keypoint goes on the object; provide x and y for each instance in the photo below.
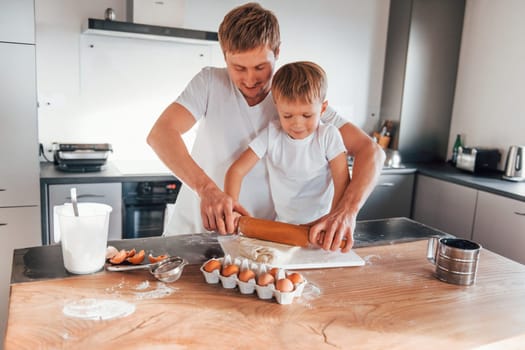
(329, 231)
(217, 211)
(339, 224)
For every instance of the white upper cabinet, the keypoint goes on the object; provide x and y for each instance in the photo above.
(17, 21)
(19, 173)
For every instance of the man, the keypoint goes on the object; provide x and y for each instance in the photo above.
(233, 105)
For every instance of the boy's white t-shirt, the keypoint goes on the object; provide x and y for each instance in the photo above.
(227, 125)
(301, 182)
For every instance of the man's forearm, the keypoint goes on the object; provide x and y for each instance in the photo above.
(366, 169)
(171, 149)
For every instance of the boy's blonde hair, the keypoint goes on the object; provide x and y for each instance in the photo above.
(300, 81)
(247, 27)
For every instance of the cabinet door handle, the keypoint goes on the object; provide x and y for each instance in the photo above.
(386, 184)
(2, 189)
(518, 213)
(3, 224)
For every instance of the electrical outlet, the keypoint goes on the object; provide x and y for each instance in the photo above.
(45, 153)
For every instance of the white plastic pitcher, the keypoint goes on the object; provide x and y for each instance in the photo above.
(84, 237)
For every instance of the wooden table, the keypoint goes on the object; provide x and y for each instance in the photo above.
(393, 302)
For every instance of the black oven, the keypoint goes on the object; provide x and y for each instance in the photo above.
(144, 207)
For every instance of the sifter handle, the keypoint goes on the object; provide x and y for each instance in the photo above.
(431, 249)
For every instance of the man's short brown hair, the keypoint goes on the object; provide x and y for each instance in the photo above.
(247, 27)
(300, 81)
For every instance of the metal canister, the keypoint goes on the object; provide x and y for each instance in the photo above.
(109, 14)
(456, 259)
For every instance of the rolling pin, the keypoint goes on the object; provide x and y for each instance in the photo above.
(274, 231)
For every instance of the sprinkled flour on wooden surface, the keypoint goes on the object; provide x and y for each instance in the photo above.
(98, 309)
(161, 290)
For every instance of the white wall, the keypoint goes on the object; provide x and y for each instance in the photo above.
(488, 106)
(346, 37)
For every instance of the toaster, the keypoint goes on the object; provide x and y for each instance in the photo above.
(476, 159)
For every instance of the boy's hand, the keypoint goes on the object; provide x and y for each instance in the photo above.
(236, 218)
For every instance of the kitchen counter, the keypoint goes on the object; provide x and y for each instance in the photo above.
(392, 302)
(106, 184)
(489, 182)
(125, 171)
(50, 175)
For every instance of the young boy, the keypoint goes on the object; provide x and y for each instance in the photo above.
(306, 160)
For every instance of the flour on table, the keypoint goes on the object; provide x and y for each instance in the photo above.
(142, 286)
(161, 290)
(264, 251)
(98, 309)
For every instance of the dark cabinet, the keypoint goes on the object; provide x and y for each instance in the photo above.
(392, 197)
(109, 193)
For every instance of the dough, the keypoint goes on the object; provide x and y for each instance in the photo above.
(264, 251)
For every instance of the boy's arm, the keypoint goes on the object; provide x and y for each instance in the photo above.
(340, 176)
(237, 172)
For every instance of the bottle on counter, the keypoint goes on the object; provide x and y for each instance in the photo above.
(455, 149)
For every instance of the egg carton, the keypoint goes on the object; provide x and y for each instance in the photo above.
(266, 292)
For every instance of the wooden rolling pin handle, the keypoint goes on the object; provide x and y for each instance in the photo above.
(274, 231)
(297, 235)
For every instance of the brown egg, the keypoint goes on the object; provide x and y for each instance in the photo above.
(230, 270)
(153, 259)
(265, 279)
(284, 285)
(212, 265)
(273, 271)
(295, 277)
(119, 257)
(111, 252)
(137, 258)
(246, 275)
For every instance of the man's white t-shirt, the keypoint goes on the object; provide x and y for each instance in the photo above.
(301, 183)
(227, 124)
